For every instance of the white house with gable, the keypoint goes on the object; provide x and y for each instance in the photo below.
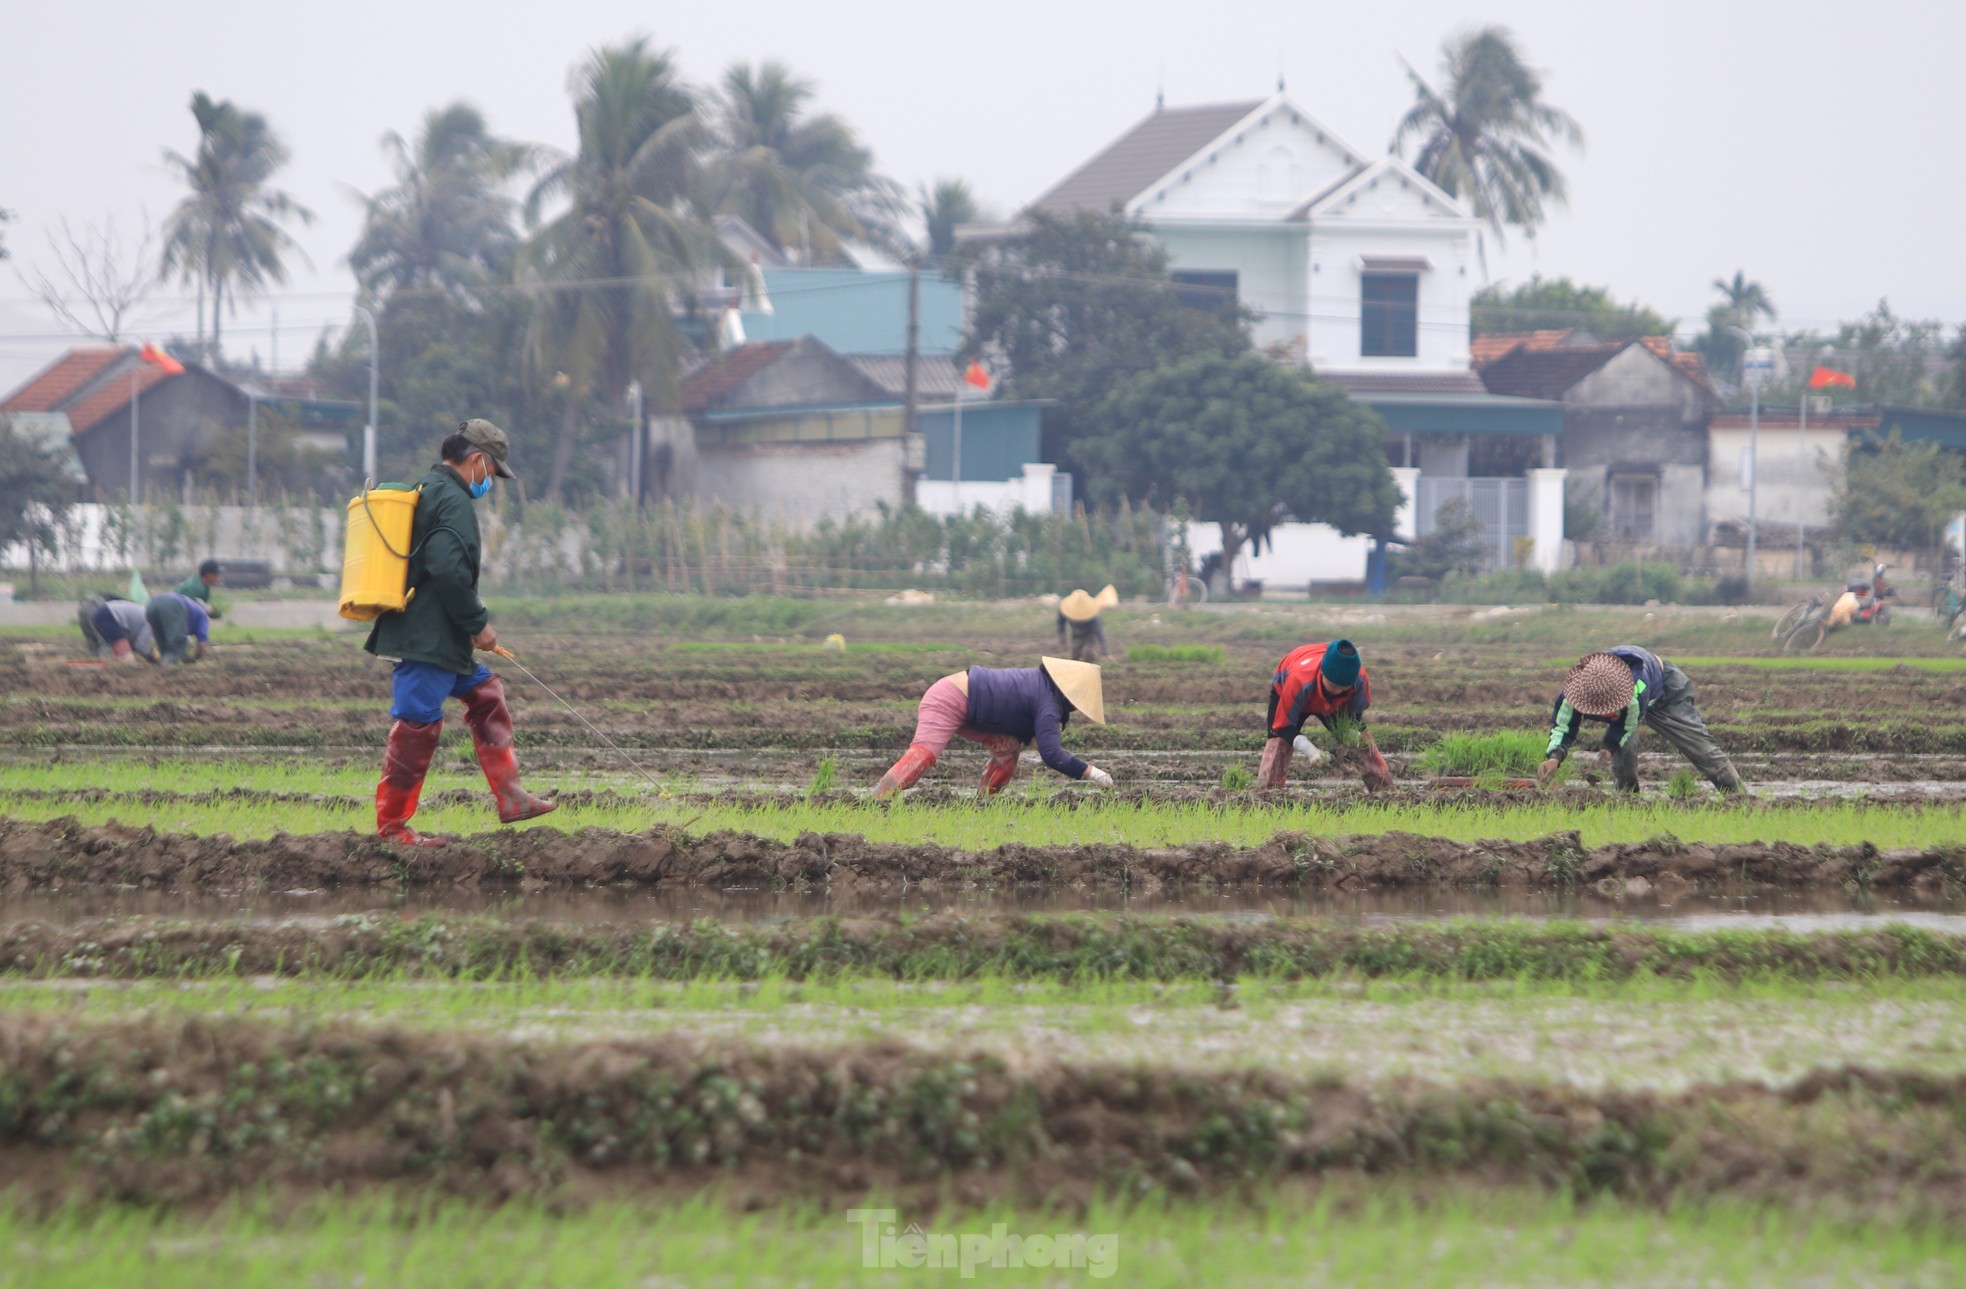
(1359, 267)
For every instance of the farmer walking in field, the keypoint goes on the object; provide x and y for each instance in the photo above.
(1327, 681)
(182, 626)
(1005, 709)
(199, 585)
(1625, 687)
(433, 637)
(1080, 633)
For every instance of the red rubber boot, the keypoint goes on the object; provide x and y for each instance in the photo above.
(404, 763)
(491, 733)
(901, 776)
(1004, 751)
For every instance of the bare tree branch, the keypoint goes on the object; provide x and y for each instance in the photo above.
(101, 281)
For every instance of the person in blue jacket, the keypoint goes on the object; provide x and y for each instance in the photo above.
(1005, 709)
(1625, 687)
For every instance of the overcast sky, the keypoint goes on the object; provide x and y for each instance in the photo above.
(1804, 142)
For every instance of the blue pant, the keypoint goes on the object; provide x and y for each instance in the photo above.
(418, 689)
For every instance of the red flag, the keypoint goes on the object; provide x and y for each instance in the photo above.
(975, 376)
(1830, 378)
(158, 358)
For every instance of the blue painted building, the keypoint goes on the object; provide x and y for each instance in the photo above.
(852, 311)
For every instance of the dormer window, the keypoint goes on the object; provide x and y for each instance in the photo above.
(1389, 314)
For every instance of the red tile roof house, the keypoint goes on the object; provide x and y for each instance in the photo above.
(1635, 416)
(175, 415)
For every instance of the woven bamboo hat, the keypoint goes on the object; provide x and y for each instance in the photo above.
(1109, 595)
(1079, 682)
(1079, 607)
(1599, 685)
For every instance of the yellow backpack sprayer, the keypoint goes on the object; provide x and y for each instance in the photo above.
(375, 552)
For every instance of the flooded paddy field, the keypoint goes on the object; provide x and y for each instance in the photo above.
(747, 979)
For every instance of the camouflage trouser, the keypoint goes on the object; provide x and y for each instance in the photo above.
(85, 613)
(1675, 716)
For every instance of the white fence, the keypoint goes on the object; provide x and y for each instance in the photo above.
(296, 538)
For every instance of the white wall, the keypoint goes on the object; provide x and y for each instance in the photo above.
(1793, 484)
(1277, 165)
(1032, 493)
(1272, 267)
(800, 484)
(1337, 278)
(97, 538)
(1300, 554)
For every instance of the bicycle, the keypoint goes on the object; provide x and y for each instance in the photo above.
(1790, 620)
(1184, 588)
(1809, 628)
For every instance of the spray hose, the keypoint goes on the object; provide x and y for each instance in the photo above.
(513, 658)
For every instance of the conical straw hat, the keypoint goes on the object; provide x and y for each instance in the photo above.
(1108, 597)
(1599, 685)
(1079, 681)
(1079, 607)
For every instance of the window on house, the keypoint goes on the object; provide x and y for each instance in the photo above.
(1205, 290)
(1389, 315)
(1634, 507)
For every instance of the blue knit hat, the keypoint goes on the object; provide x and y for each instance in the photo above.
(1341, 663)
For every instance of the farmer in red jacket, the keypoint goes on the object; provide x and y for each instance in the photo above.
(1327, 681)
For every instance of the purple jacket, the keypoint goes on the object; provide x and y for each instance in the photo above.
(1023, 703)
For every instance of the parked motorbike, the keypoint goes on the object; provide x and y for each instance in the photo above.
(1859, 603)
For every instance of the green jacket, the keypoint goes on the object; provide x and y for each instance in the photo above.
(445, 612)
(194, 588)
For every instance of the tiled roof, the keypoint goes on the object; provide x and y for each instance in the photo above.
(1373, 382)
(62, 379)
(1544, 373)
(1140, 156)
(113, 397)
(1492, 348)
(936, 375)
(721, 373)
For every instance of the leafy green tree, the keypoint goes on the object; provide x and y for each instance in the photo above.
(1078, 306)
(447, 222)
(1555, 304)
(946, 206)
(1454, 545)
(606, 270)
(1744, 299)
(37, 488)
(1486, 135)
(5, 216)
(803, 181)
(1249, 444)
(1896, 493)
(227, 234)
(1893, 357)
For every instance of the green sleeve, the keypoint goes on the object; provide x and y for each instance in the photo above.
(1563, 731)
(452, 580)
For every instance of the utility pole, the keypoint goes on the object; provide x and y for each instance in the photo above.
(252, 450)
(134, 369)
(910, 391)
(1756, 365)
(368, 431)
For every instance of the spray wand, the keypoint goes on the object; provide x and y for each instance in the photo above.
(513, 658)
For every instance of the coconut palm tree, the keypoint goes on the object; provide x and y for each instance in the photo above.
(607, 271)
(1486, 135)
(945, 207)
(226, 236)
(803, 182)
(447, 223)
(1745, 300)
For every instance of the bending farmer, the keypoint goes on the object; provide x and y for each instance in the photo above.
(1625, 687)
(116, 628)
(1327, 681)
(1080, 633)
(182, 625)
(199, 585)
(433, 637)
(1005, 709)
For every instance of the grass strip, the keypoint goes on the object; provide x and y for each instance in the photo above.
(163, 1109)
(1070, 949)
(1063, 815)
(1356, 1233)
